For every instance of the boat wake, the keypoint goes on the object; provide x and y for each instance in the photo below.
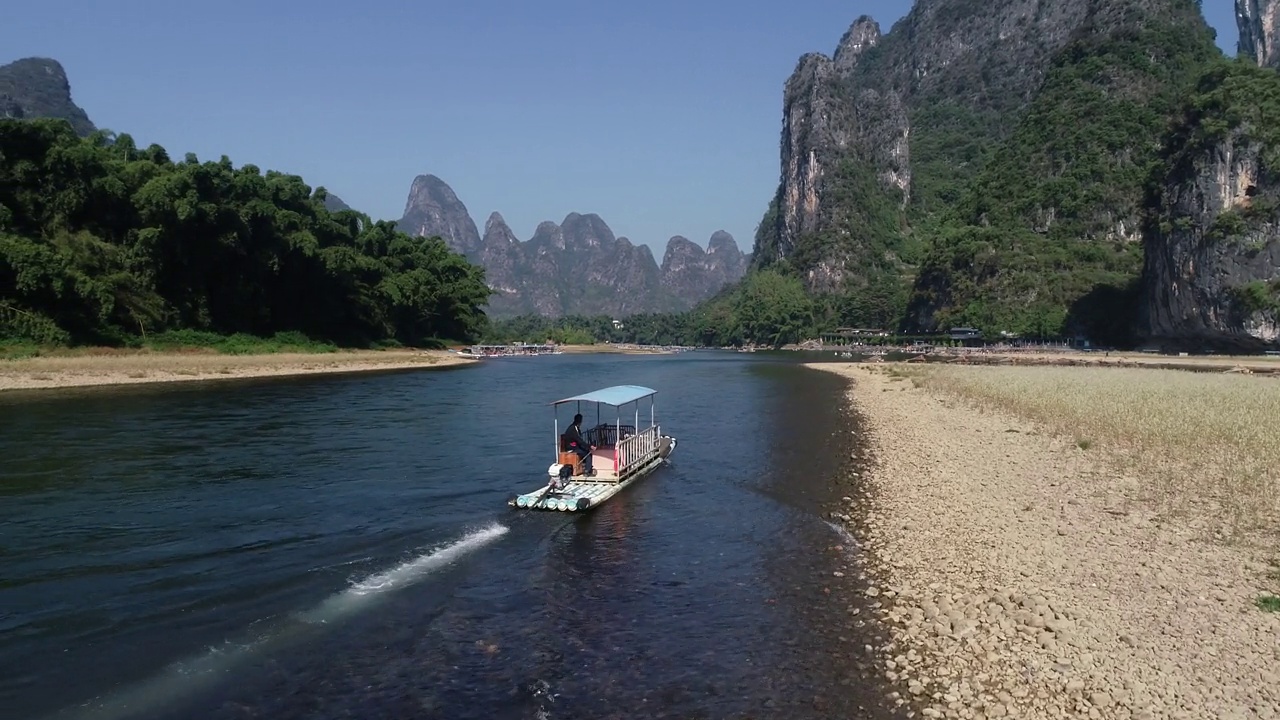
(402, 575)
(187, 676)
(845, 535)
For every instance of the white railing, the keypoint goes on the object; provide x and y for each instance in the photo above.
(637, 449)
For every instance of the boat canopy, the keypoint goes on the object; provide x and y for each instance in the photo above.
(616, 396)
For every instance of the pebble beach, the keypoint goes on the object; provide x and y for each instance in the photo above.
(1018, 574)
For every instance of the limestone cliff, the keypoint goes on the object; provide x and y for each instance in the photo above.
(691, 274)
(828, 123)
(725, 262)
(889, 123)
(981, 163)
(1211, 275)
(1259, 23)
(38, 88)
(501, 257)
(433, 209)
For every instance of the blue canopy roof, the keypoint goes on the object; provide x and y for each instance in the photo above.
(615, 396)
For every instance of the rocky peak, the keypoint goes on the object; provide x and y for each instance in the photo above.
(723, 248)
(333, 203)
(860, 37)
(547, 236)
(37, 87)
(433, 209)
(722, 241)
(724, 259)
(692, 274)
(680, 252)
(497, 230)
(582, 232)
(1257, 22)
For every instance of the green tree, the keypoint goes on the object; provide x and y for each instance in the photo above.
(773, 309)
(107, 243)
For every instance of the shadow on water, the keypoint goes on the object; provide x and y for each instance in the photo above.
(344, 547)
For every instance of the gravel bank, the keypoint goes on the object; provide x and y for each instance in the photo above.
(1021, 577)
(145, 367)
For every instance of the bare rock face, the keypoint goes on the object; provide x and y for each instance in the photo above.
(38, 88)
(692, 274)
(1259, 23)
(861, 36)
(501, 257)
(684, 268)
(725, 262)
(434, 210)
(819, 127)
(333, 203)
(1212, 251)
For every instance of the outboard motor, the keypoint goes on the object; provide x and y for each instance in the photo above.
(560, 474)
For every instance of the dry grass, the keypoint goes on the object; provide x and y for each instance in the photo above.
(1205, 447)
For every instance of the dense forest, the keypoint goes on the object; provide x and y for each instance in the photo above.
(105, 243)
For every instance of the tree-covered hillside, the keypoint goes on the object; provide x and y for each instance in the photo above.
(982, 164)
(1046, 239)
(103, 242)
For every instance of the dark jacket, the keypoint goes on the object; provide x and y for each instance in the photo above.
(574, 435)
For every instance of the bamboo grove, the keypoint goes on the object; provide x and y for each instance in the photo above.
(103, 242)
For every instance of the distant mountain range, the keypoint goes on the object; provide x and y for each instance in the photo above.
(575, 267)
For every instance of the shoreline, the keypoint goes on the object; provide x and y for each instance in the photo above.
(1249, 364)
(1018, 574)
(1201, 363)
(139, 368)
(612, 349)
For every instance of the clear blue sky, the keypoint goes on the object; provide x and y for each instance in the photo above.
(661, 116)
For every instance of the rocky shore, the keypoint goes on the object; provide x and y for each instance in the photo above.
(46, 372)
(1020, 575)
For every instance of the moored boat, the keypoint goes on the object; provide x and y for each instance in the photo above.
(620, 453)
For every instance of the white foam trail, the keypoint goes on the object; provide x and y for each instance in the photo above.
(844, 535)
(187, 676)
(353, 597)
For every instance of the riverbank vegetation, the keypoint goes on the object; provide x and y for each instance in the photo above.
(103, 243)
(1205, 441)
(766, 308)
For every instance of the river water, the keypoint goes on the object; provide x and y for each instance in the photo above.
(340, 547)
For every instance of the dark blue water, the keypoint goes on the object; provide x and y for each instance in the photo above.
(340, 547)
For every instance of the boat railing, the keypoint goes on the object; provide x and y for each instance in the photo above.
(606, 435)
(637, 448)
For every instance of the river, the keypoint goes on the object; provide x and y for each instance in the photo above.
(340, 547)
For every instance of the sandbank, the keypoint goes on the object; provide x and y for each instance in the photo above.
(1024, 571)
(125, 367)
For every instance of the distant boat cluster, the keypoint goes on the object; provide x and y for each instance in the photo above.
(512, 350)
